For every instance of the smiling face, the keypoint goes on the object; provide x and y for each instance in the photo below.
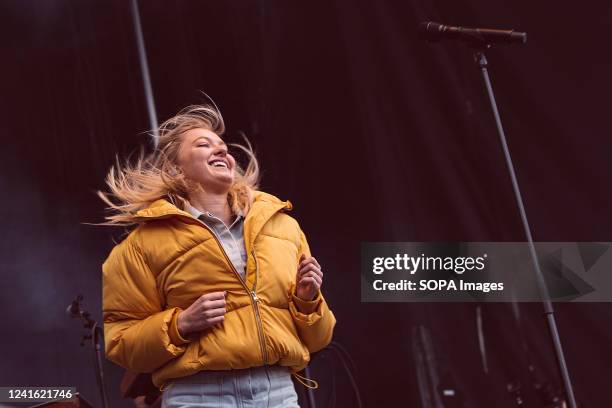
(203, 157)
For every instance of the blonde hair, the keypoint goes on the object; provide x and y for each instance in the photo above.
(135, 185)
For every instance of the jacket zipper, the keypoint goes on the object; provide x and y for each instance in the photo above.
(256, 304)
(252, 293)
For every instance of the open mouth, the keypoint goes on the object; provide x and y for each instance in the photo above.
(219, 163)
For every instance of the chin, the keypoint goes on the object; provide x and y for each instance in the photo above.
(220, 185)
(229, 180)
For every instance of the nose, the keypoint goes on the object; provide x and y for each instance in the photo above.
(220, 151)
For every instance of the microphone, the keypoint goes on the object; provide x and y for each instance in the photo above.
(434, 32)
(74, 308)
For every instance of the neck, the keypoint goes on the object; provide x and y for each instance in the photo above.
(214, 203)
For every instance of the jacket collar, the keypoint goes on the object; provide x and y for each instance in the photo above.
(159, 209)
(264, 207)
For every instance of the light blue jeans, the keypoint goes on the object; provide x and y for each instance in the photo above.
(259, 387)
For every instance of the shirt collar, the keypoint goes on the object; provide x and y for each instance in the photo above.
(209, 216)
(193, 211)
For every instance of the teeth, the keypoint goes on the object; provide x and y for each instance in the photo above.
(219, 164)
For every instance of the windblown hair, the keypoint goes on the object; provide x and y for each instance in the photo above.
(134, 185)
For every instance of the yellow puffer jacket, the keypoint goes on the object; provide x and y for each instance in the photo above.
(171, 259)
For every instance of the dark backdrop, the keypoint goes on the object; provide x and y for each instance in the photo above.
(371, 133)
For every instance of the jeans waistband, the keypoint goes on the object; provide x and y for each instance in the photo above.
(208, 376)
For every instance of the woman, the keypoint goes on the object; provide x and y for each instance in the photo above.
(215, 291)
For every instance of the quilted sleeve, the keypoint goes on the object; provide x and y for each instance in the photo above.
(139, 335)
(314, 320)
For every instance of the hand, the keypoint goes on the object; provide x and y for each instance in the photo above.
(205, 312)
(309, 278)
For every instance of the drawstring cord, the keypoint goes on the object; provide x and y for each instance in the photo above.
(303, 380)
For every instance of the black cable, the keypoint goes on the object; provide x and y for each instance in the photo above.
(99, 372)
(345, 359)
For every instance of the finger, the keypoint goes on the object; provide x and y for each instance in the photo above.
(215, 320)
(302, 257)
(311, 267)
(314, 260)
(312, 274)
(213, 295)
(316, 277)
(214, 313)
(213, 304)
(306, 280)
(310, 260)
(304, 260)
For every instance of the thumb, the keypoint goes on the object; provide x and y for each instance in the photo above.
(302, 257)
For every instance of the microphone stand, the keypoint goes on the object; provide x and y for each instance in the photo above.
(74, 310)
(481, 61)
